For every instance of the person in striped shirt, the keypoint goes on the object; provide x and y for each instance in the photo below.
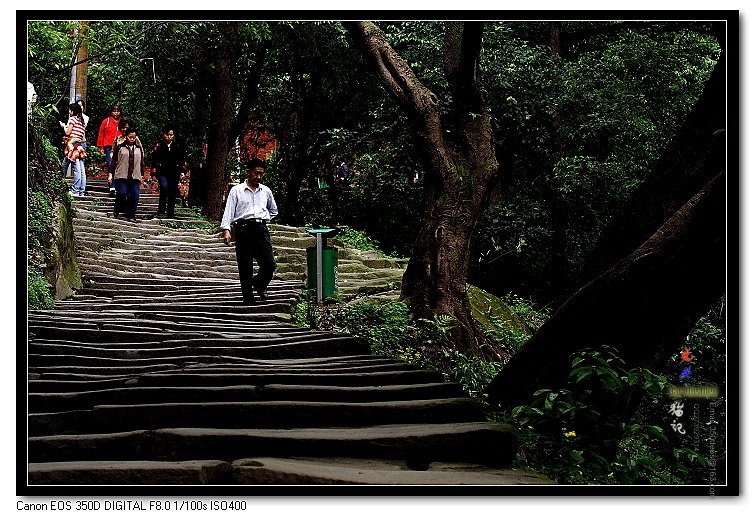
(75, 149)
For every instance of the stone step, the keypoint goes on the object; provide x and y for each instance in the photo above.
(220, 361)
(37, 321)
(51, 402)
(275, 471)
(58, 351)
(482, 443)
(178, 377)
(252, 414)
(79, 308)
(188, 321)
(199, 472)
(236, 306)
(269, 348)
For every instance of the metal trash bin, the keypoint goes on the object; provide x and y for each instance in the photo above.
(322, 265)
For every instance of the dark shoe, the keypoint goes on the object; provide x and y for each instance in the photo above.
(262, 292)
(248, 302)
(131, 220)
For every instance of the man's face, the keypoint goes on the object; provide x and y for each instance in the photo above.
(131, 138)
(169, 136)
(255, 175)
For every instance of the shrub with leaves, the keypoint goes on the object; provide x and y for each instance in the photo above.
(565, 435)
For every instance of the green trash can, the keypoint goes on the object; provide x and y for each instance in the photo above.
(328, 271)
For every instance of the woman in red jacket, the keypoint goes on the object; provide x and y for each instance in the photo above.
(108, 133)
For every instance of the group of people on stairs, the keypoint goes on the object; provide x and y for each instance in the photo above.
(249, 208)
(126, 160)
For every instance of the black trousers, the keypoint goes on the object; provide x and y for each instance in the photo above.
(253, 243)
(168, 191)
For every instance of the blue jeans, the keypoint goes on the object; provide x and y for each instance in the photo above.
(126, 196)
(79, 177)
(109, 160)
(66, 163)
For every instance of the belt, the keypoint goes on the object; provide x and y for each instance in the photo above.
(244, 222)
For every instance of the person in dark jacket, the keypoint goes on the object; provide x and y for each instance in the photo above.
(168, 158)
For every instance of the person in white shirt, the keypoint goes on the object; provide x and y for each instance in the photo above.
(248, 210)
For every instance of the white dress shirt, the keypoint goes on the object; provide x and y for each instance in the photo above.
(244, 203)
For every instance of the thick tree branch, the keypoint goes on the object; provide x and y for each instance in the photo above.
(395, 74)
(251, 92)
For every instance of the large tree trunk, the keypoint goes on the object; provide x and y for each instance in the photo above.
(460, 168)
(644, 306)
(219, 135)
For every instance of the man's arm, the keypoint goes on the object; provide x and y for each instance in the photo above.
(228, 215)
(272, 208)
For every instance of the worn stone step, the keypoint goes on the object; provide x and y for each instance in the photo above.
(66, 401)
(39, 325)
(67, 354)
(119, 320)
(350, 471)
(251, 317)
(275, 471)
(200, 472)
(270, 307)
(72, 382)
(189, 358)
(310, 348)
(478, 442)
(253, 414)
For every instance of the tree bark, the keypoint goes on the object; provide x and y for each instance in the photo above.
(225, 125)
(460, 168)
(643, 306)
(219, 134)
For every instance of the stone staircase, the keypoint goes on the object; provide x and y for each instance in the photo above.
(156, 374)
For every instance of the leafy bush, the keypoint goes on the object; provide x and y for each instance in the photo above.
(565, 435)
(39, 295)
(40, 220)
(358, 239)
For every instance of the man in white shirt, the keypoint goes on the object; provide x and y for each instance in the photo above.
(249, 208)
